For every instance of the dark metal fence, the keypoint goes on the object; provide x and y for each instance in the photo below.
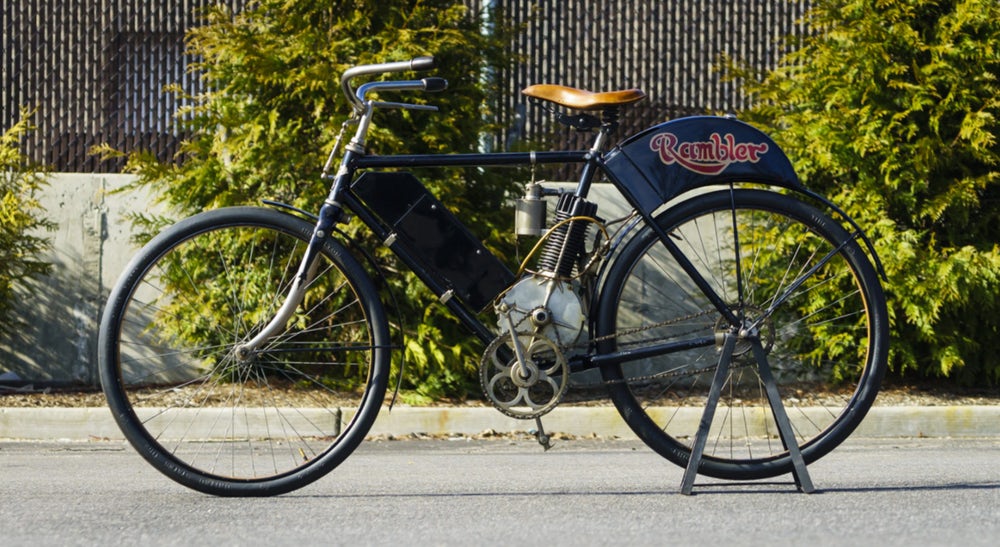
(668, 48)
(95, 70)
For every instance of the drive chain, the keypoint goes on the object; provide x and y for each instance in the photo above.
(636, 330)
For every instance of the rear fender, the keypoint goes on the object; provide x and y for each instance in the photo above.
(661, 163)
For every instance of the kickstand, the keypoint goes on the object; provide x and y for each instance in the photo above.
(799, 471)
(540, 435)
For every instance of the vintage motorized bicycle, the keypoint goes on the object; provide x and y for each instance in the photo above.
(725, 287)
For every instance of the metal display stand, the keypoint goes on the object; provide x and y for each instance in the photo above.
(799, 472)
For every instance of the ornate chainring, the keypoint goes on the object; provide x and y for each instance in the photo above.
(526, 387)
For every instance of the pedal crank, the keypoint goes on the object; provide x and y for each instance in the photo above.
(524, 375)
(541, 436)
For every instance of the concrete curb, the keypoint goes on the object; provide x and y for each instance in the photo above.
(90, 424)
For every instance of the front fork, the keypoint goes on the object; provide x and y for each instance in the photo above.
(307, 271)
(329, 215)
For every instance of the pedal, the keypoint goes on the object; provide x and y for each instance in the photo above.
(540, 435)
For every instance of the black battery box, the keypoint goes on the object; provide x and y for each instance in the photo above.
(429, 233)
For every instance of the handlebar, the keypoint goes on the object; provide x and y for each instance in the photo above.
(417, 64)
(435, 84)
(421, 64)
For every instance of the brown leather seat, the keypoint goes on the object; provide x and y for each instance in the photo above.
(578, 99)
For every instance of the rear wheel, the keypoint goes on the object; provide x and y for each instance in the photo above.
(211, 415)
(824, 331)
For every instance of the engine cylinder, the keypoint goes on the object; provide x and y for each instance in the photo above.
(565, 245)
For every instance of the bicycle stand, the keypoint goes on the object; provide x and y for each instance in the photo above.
(799, 472)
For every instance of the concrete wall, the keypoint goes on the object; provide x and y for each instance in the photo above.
(90, 248)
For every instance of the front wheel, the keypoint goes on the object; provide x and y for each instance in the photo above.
(189, 396)
(790, 275)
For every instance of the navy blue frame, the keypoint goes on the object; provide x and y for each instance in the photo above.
(649, 169)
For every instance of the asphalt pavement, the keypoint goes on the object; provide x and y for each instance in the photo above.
(882, 492)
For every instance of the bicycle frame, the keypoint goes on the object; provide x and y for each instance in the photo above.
(649, 169)
(698, 290)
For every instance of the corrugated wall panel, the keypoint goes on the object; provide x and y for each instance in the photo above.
(670, 49)
(95, 70)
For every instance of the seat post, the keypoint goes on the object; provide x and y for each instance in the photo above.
(609, 119)
(609, 123)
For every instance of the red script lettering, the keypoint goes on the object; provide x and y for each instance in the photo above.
(709, 157)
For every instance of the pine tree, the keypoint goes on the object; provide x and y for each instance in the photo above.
(892, 108)
(274, 107)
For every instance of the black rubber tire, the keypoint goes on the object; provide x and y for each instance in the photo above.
(844, 338)
(259, 425)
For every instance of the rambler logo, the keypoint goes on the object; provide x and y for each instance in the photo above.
(707, 158)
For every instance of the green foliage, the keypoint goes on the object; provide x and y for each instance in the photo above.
(208, 295)
(20, 219)
(275, 106)
(891, 109)
(820, 324)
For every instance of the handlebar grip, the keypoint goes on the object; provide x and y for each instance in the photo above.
(422, 63)
(435, 84)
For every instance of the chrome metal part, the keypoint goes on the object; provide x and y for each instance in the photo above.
(529, 217)
(524, 388)
(295, 295)
(756, 325)
(550, 306)
(541, 436)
